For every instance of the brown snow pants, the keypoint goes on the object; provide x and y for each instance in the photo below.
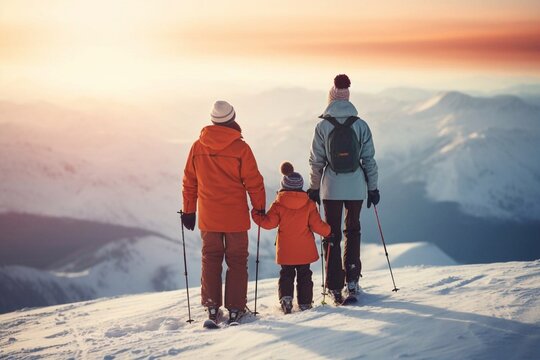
(350, 268)
(234, 247)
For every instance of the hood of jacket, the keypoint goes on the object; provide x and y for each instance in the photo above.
(218, 137)
(292, 199)
(340, 109)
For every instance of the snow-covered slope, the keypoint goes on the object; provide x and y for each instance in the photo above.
(22, 286)
(125, 167)
(127, 266)
(147, 264)
(489, 311)
(89, 165)
(406, 254)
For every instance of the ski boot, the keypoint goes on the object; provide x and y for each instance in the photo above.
(235, 316)
(213, 315)
(353, 291)
(286, 304)
(336, 296)
(304, 307)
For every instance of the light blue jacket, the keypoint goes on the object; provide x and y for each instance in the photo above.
(348, 186)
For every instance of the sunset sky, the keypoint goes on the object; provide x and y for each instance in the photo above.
(153, 49)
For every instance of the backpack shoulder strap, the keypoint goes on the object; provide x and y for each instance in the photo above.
(332, 120)
(350, 120)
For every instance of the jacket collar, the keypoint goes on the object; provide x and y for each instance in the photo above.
(340, 109)
(218, 137)
(292, 199)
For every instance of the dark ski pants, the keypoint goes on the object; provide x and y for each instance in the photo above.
(350, 268)
(234, 247)
(304, 284)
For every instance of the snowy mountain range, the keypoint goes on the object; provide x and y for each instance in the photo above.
(149, 264)
(117, 165)
(488, 311)
(481, 158)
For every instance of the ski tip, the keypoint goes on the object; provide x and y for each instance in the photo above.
(209, 324)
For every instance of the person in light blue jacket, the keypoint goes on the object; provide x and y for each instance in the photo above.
(339, 187)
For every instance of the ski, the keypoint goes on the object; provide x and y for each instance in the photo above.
(210, 324)
(238, 320)
(352, 299)
(214, 319)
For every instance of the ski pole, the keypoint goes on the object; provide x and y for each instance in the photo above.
(326, 280)
(190, 320)
(322, 269)
(384, 245)
(322, 266)
(257, 268)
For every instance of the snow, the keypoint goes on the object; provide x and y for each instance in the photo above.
(489, 311)
(474, 151)
(401, 255)
(124, 166)
(127, 266)
(428, 104)
(150, 263)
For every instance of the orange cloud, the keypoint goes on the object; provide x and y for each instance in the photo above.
(507, 45)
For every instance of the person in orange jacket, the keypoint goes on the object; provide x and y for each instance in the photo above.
(297, 218)
(220, 169)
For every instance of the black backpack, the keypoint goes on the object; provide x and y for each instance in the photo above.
(343, 146)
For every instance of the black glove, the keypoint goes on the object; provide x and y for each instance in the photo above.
(329, 240)
(314, 195)
(188, 220)
(373, 197)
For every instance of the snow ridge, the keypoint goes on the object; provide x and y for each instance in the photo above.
(489, 311)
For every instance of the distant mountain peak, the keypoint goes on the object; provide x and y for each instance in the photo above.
(452, 101)
(449, 100)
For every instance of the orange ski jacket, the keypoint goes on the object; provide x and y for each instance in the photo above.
(297, 218)
(220, 168)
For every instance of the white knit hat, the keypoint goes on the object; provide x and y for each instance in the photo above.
(222, 112)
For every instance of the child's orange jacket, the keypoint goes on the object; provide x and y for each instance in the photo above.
(297, 218)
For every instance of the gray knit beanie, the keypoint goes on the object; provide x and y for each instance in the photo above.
(222, 112)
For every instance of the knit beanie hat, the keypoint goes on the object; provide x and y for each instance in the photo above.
(340, 90)
(222, 112)
(291, 180)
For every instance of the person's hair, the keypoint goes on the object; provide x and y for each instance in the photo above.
(231, 124)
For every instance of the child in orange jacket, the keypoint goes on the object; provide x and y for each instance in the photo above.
(297, 218)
